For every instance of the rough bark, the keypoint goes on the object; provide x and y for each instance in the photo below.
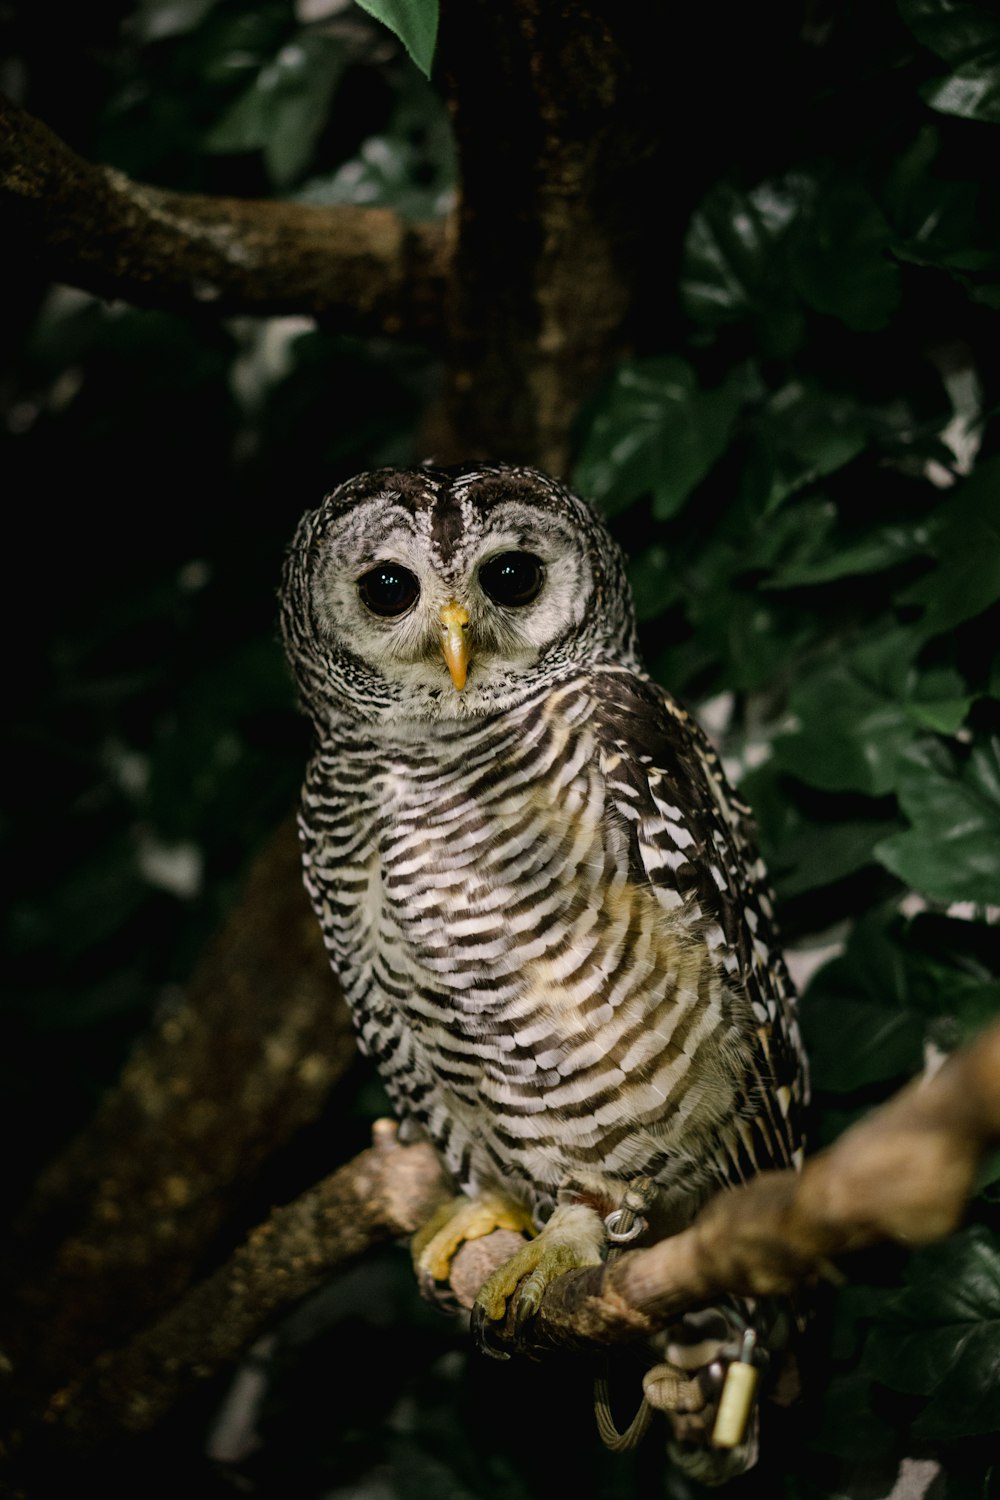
(387, 1191)
(365, 269)
(553, 134)
(117, 1224)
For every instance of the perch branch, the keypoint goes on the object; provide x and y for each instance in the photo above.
(387, 1191)
(94, 228)
(223, 1080)
(905, 1173)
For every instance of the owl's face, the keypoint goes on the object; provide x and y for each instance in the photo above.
(426, 594)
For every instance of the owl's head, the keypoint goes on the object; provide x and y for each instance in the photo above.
(446, 593)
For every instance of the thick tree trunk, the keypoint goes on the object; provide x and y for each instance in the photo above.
(555, 127)
(118, 1224)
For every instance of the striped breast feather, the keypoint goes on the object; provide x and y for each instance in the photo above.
(692, 841)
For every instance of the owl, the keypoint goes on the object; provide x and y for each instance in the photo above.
(540, 895)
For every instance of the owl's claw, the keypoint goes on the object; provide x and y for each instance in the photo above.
(482, 1329)
(460, 1219)
(573, 1237)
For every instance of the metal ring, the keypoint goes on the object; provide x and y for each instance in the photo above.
(632, 1230)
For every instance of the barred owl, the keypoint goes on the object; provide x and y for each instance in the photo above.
(539, 893)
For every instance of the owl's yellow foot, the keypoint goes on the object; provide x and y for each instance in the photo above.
(574, 1237)
(434, 1246)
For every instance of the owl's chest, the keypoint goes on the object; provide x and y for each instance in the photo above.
(459, 864)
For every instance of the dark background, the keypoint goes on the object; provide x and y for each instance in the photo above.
(788, 470)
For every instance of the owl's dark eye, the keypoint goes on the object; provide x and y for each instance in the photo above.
(388, 589)
(513, 577)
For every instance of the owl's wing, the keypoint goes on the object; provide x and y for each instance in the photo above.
(692, 842)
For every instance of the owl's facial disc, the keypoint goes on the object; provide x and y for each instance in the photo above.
(448, 620)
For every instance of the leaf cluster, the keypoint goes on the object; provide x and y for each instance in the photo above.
(809, 487)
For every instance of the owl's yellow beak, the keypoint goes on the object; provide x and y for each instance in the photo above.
(454, 642)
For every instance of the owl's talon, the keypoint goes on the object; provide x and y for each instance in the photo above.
(481, 1326)
(572, 1238)
(438, 1293)
(529, 1299)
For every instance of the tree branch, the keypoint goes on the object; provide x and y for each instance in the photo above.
(904, 1173)
(94, 228)
(386, 1192)
(119, 1221)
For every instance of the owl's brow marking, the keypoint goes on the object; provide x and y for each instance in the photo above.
(449, 523)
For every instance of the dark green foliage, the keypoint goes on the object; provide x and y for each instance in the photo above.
(154, 469)
(826, 556)
(808, 482)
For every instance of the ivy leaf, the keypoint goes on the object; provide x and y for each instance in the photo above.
(952, 850)
(858, 1025)
(153, 20)
(852, 720)
(852, 1043)
(816, 855)
(941, 1337)
(938, 222)
(819, 562)
(415, 22)
(410, 167)
(859, 714)
(848, 1426)
(733, 265)
(656, 431)
(801, 435)
(841, 263)
(654, 582)
(968, 36)
(285, 108)
(964, 535)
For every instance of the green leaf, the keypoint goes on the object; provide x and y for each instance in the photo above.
(803, 851)
(155, 19)
(859, 713)
(818, 561)
(852, 719)
(734, 263)
(968, 36)
(801, 435)
(988, 1177)
(941, 1337)
(964, 535)
(415, 22)
(818, 854)
(410, 167)
(654, 582)
(841, 265)
(848, 1425)
(656, 431)
(285, 107)
(952, 850)
(852, 1043)
(939, 222)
